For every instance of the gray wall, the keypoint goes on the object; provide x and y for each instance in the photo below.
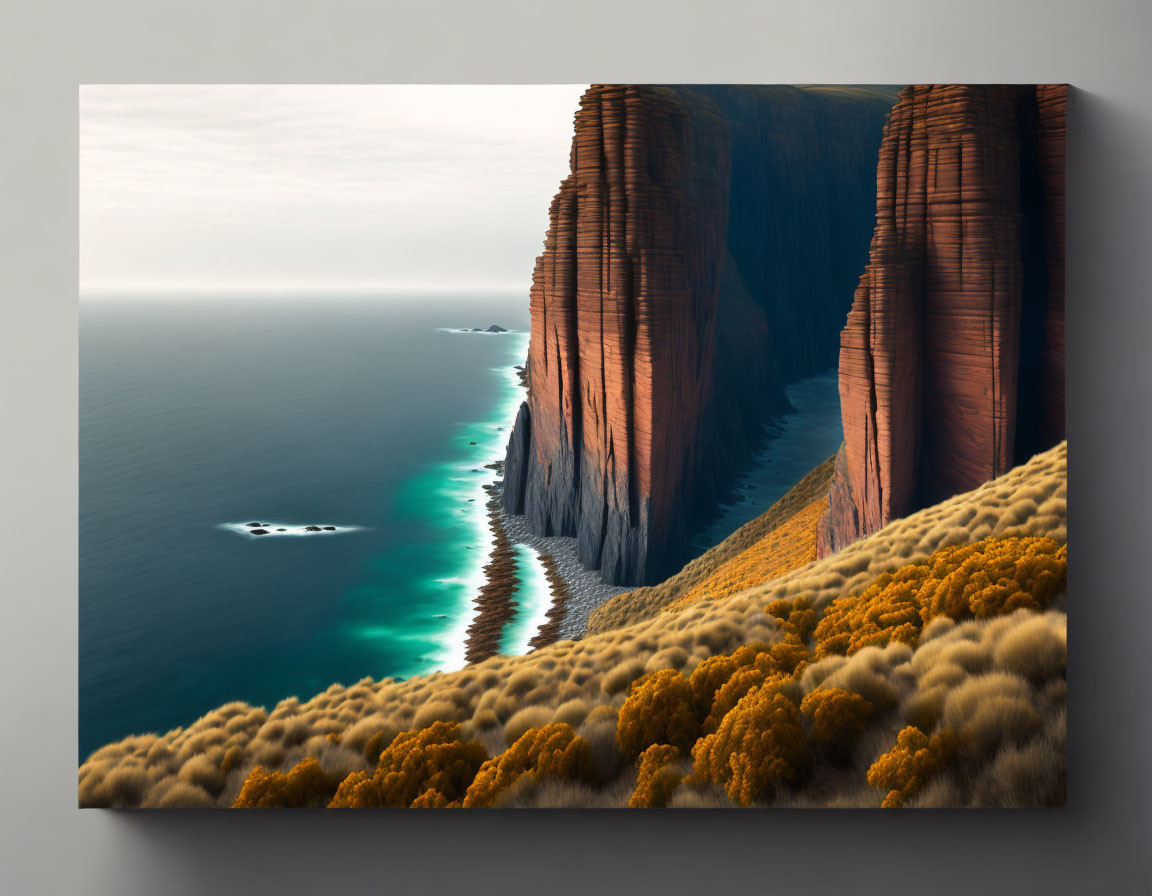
(1099, 844)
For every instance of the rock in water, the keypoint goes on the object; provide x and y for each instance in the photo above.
(952, 360)
(259, 531)
(496, 328)
(699, 257)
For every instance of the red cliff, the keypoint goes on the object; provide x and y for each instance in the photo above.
(662, 327)
(952, 359)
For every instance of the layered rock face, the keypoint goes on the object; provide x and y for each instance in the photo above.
(952, 359)
(694, 261)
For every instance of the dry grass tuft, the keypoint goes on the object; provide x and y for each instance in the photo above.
(1036, 650)
(525, 719)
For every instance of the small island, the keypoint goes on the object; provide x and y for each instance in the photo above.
(492, 328)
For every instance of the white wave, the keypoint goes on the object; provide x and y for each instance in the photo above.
(492, 443)
(533, 598)
(297, 529)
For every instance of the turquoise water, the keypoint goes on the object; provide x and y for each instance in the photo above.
(355, 413)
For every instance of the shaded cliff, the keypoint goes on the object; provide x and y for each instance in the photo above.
(699, 257)
(952, 359)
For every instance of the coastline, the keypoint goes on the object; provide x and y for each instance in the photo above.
(574, 590)
(582, 591)
(493, 603)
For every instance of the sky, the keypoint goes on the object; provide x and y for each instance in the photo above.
(267, 187)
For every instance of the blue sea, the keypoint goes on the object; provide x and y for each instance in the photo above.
(200, 414)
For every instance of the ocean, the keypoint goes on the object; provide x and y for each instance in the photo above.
(372, 415)
(199, 415)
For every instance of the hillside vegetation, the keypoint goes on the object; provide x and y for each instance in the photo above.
(690, 582)
(922, 666)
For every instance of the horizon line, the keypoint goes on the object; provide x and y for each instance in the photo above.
(95, 289)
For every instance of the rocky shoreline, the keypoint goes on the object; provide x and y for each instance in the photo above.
(494, 604)
(576, 591)
(583, 591)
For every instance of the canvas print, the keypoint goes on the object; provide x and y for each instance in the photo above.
(745, 488)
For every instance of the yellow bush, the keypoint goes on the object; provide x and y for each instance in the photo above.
(780, 661)
(550, 751)
(711, 674)
(994, 577)
(432, 767)
(797, 617)
(307, 785)
(989, 578)
(837, 716)
(742, 681)
(657, 777)
(660, 709)
(759, 746)
(906, 768)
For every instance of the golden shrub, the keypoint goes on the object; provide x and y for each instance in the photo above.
(989, 578)
(659, 709)
(306, 785)
(416, 762)
(740, 683)
(994, 577)
(551, 751)
(711, 674)
(906, 768)
(657, 777)
(777, 662)
(759, 746)
(788, 657)
(797, 617)
(837, 716)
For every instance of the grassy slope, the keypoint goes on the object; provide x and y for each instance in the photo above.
(584, 682)
(789, 546)
(646, 602)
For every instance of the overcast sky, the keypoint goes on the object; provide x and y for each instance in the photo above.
(318, 186)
